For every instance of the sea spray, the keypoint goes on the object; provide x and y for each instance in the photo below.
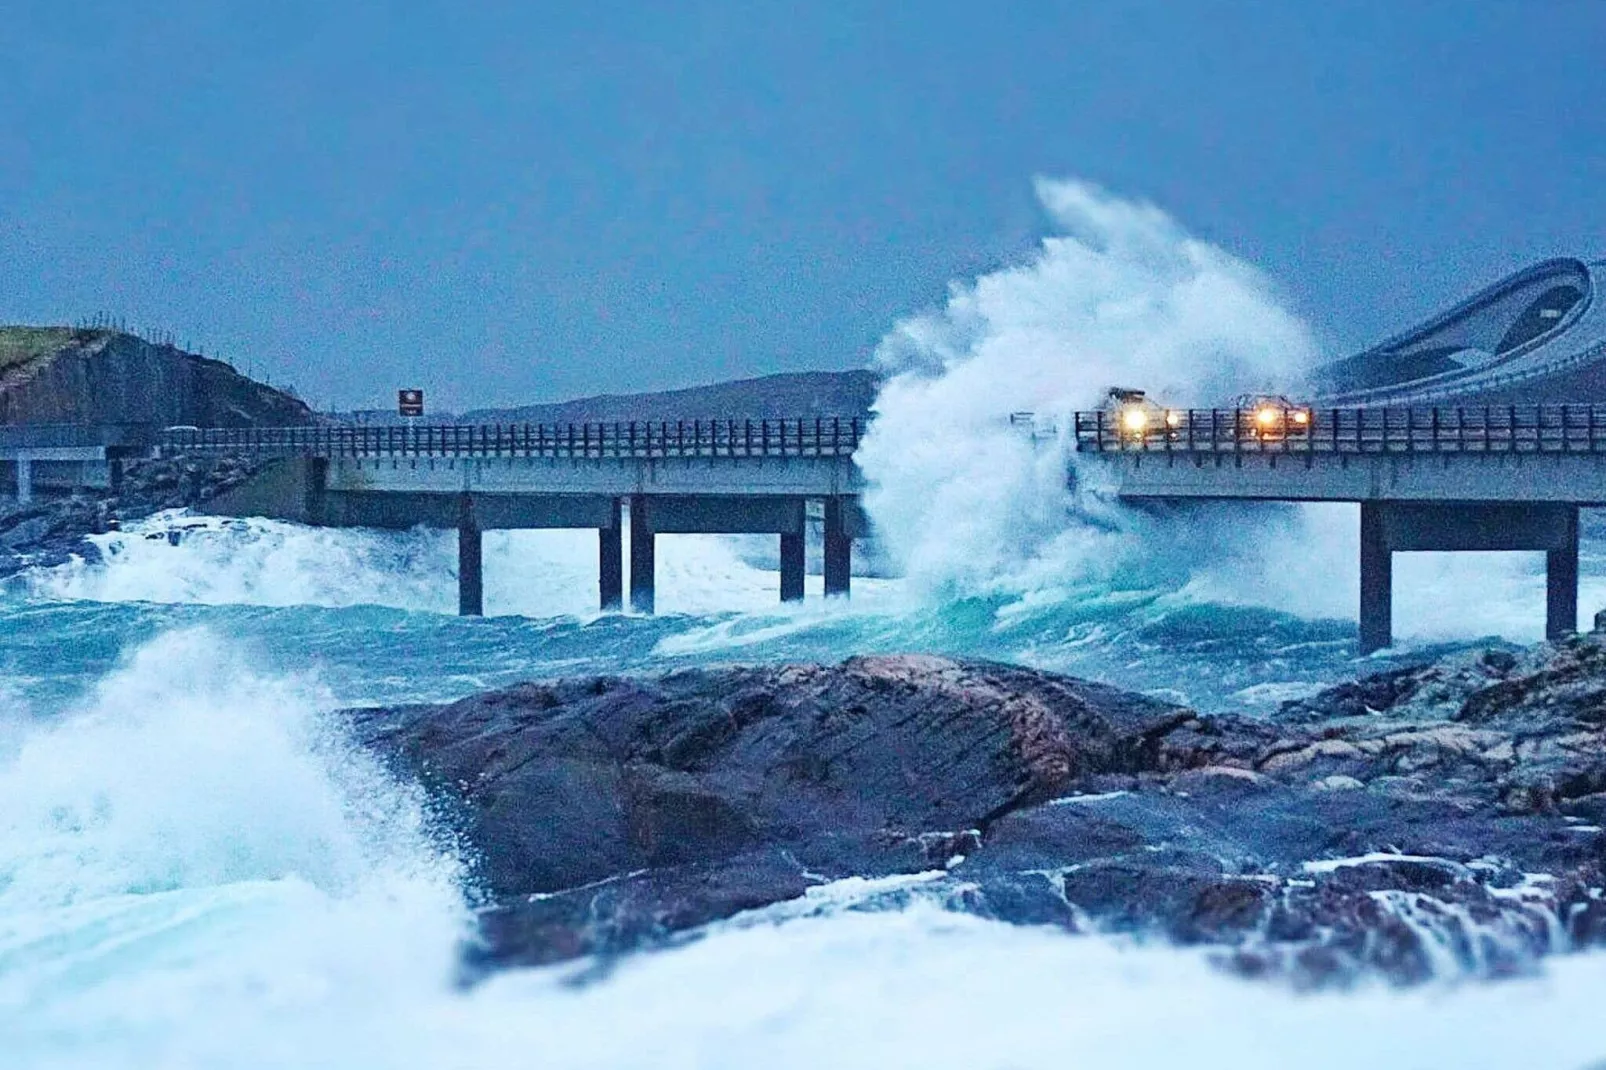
(1119, 295)
(181, 558)
(198, 834)
(971, 505)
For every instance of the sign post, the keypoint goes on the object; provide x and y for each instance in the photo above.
(410, 402)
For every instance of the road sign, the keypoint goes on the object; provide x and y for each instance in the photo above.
(410, 402)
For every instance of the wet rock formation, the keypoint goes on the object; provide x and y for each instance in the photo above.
(1437, 819)
(49, 531)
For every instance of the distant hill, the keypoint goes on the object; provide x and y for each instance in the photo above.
(65, 375)
(845, 394)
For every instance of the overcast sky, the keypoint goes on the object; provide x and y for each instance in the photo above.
(526, 201)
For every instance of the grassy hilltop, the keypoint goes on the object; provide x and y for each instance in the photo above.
(21, 345)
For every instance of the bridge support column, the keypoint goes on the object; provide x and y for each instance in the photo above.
(792, 568)
(838, 550)
(1561, 582)
(642, 555)
(470, 562)
(24, 479)
(610, 563)
(1377, 581)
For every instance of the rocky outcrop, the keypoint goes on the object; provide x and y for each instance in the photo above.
(99, 377)
(59, 375)
(49, 531)
(1335, 840)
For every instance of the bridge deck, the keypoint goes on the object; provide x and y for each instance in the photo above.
(1487, 478)
(1508, 454)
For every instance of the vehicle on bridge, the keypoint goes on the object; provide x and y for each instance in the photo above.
(1136, 415)
(1273, 416)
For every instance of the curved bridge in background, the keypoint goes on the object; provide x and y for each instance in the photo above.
(1536, 336)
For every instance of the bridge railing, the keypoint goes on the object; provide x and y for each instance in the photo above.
(807, 437)
(1479, 429)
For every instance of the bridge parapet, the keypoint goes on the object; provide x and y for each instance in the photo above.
(1480, 429)
(634, 440)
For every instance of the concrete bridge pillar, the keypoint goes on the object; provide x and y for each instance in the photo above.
(610, 562)
(24, 479)
(792, 567)
(642, 555)
(1377, 581)
(1561, 580)
(838, 549)
(470, 562)
(1390, 526)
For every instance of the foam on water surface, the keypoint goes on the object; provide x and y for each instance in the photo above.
(197, 870)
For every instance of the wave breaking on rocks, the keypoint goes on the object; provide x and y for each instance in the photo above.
(1433, 822)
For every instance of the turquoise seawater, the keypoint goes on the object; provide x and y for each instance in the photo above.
(197, 870)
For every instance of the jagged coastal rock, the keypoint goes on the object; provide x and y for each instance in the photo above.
(1443, 818)
(50, 531)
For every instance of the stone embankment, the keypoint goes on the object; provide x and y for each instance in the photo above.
(1430, 821)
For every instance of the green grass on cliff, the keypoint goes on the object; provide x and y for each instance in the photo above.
(19, 345)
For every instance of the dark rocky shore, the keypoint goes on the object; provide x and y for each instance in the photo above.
(1428, 821)
(50, 530)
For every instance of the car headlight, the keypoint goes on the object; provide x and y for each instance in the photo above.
(1173, 418)
(1266, 417)
(1301, 417)
(1134, 420)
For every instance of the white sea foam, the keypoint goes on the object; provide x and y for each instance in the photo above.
(1120, 295)
(216, 561)
(197, 871)
(194, 842)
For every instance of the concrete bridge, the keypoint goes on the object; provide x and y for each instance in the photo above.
(1486, 478)
(1469, 478)
(66, 456)
(694, 476)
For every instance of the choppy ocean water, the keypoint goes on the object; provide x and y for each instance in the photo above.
(196, 869)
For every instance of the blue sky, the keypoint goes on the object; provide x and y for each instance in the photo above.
(523, 201)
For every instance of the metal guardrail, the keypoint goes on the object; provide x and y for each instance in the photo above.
(1483, 429)
(813, 437)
